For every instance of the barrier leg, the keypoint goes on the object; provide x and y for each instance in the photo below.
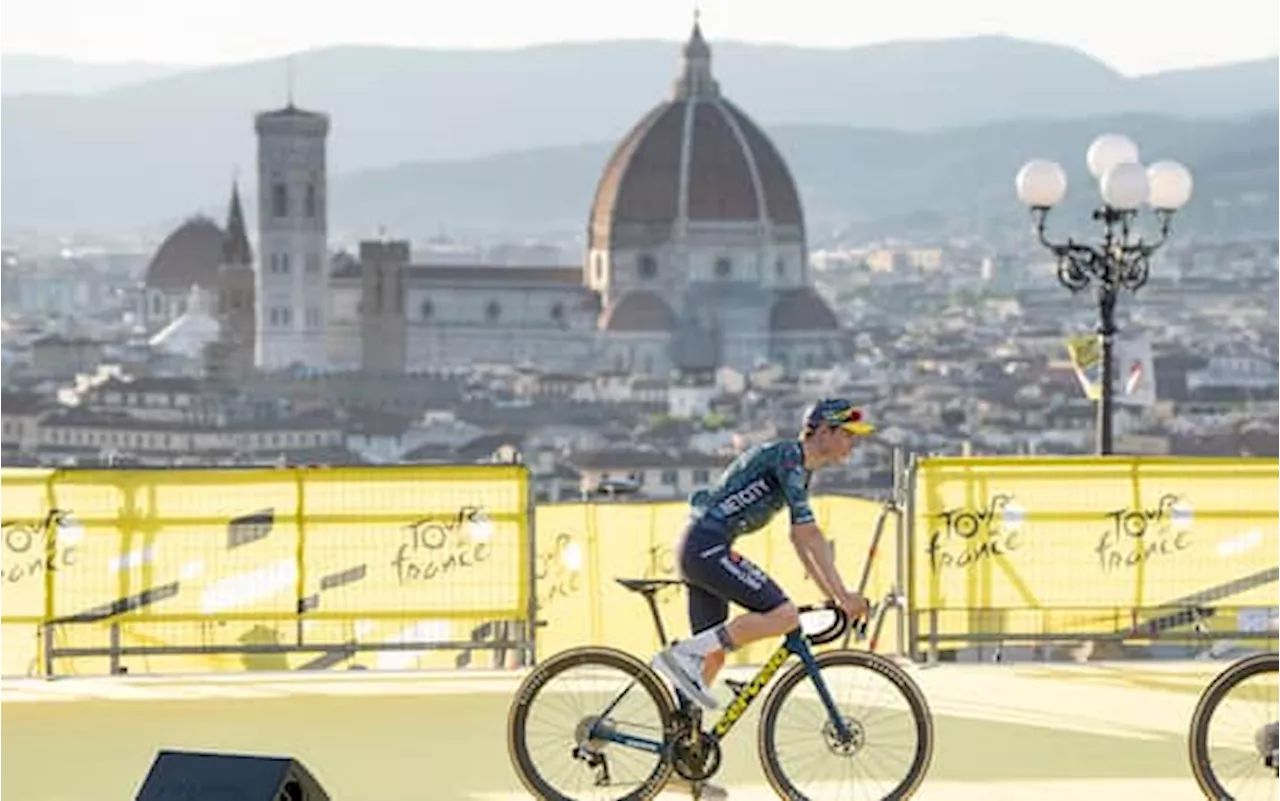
(530, 628)
(47, 632)
(115, 650)
(933, 636)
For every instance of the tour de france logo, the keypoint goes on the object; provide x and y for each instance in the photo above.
(1134, 535)
(32, 547)
(444, 546)
(964, 535)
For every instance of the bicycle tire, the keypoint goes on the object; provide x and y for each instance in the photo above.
(576, 657)
(1198, 739)
(865, 660)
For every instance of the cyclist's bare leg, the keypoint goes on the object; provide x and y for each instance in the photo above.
(752, 626)
(743, 630)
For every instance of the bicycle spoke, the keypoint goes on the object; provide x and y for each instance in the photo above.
(1229, 721)
(1232, 739)
(890, 735)
(560, 730)
(887, 750)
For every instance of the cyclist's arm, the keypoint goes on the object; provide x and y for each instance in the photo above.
(811, 546)
(815, 553)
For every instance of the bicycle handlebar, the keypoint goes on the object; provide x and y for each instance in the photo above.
(838, 629)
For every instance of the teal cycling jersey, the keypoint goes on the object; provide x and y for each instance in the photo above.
(754, 488)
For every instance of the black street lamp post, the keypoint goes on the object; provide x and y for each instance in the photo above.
(1119, 263)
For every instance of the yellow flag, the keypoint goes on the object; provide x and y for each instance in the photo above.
(1086, 357)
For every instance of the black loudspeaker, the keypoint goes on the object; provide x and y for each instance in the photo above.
(193, 776)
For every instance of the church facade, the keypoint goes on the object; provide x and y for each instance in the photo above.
(696, 258)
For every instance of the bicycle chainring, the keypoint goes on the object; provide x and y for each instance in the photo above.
(695, 762)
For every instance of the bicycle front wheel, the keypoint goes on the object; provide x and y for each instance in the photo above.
(591, 723)
(1236, 761)
(881, 707)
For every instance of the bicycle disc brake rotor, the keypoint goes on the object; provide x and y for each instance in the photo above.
(844, 746)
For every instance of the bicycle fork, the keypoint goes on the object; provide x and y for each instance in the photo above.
(797, 644)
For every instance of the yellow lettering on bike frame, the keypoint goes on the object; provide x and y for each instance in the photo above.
(749, 692)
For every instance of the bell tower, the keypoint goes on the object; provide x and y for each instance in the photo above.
(292, 285)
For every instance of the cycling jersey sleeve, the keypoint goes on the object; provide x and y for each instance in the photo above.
(795, 488)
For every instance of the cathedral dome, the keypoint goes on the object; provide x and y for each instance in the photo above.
(188, 256)
(694, 158)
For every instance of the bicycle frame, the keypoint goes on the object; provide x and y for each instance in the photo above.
(795, 643)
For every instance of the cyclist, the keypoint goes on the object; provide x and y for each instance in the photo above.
(749, 493)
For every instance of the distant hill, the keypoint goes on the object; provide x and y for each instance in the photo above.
(35, 75)
(874, 180)
(145, 154)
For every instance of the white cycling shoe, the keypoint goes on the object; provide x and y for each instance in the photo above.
(684, 670)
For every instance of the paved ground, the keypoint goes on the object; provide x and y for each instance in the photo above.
(1004, 732)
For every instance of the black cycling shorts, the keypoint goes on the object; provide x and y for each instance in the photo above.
(716, 574)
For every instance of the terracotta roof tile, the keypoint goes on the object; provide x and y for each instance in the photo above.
(190, 255)
(639, 311)
(802, 310)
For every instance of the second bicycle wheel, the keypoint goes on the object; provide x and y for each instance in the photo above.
(889, 717)
(1233, 731)
(571, 696)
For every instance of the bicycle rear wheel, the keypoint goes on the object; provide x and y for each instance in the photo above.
(1246, 753)
(561, 708)
(796, 721)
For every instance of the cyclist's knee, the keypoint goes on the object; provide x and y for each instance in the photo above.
(786, 614)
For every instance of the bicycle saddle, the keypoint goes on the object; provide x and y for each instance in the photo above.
(647, 586)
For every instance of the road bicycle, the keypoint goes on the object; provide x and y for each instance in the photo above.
(1247, 765)
(597, 740)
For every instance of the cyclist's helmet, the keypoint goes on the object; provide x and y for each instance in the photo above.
(835, 413)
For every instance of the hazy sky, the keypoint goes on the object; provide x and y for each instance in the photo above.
(1134, 36)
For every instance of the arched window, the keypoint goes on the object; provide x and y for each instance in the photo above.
(493, 311)
(723, 267)
(427, 309)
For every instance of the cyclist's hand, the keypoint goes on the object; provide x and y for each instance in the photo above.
(854, 605)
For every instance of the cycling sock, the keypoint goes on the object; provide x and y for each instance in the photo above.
(723, 635)
(708, 640)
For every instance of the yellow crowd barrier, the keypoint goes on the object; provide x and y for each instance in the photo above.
(397, 556)
(1063, 545)
(583, 547)
(220, 558)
